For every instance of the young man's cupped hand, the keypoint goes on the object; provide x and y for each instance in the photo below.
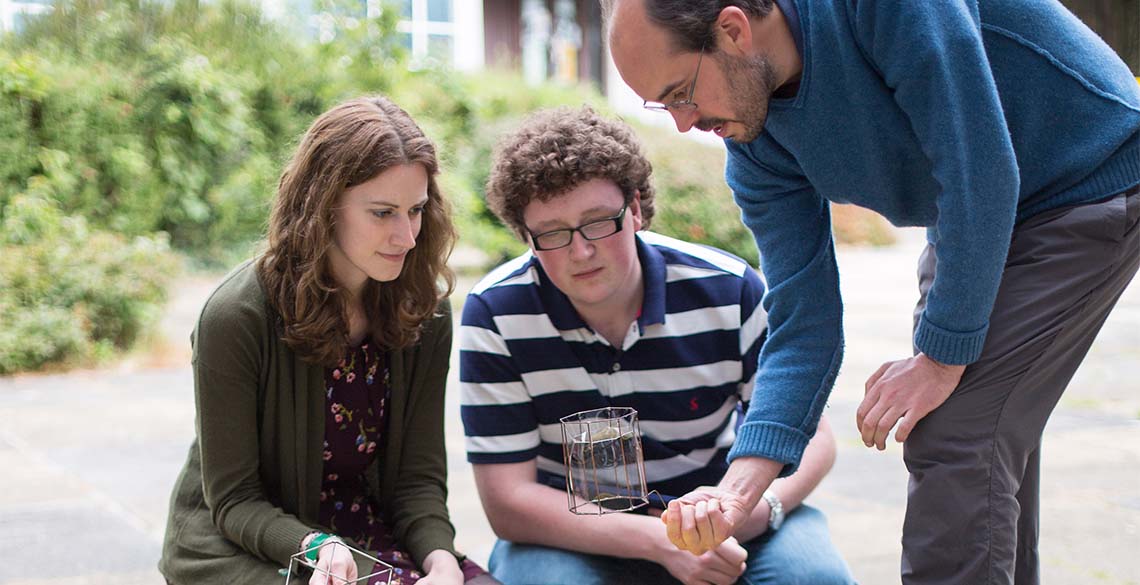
(722, 564)
(700, 520)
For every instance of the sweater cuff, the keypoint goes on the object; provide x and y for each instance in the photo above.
(428, 534)
(953, 348)
(773, 441)
(283, 539)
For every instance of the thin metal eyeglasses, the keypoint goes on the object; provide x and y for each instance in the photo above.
(682, 105)
(594, 230)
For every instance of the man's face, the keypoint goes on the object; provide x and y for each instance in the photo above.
(598, 273)
(731, 91)
(750, 83)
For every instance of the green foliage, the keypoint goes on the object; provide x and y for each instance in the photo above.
(493, 104)
(152, 117)
(148, 117)
(131, 126)
(69, 293)
(693, 201)
(20, 86)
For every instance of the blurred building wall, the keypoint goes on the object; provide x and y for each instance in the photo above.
(13, 12)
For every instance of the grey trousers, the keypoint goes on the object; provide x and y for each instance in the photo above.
(974, 462)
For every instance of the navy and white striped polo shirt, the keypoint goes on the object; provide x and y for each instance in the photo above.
(527, 359)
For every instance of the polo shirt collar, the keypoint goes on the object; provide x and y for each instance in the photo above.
(653, 273)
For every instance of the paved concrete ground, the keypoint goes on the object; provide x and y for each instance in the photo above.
(89, 458)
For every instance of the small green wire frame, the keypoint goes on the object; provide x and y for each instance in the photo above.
(296, 562)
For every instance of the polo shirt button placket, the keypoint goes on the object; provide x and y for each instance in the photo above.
(616, 367)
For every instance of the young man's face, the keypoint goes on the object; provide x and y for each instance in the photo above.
(595, 274)
(731, 91)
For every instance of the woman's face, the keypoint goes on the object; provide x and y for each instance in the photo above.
(376, 224)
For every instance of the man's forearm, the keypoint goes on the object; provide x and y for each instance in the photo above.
(817, 461)
(748, 477)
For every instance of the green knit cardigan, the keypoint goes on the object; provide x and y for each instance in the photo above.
(249, 491)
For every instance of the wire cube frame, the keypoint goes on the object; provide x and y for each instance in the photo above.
(298, 562)
(605, 467)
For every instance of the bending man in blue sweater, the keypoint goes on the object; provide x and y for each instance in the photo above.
(1009, 130)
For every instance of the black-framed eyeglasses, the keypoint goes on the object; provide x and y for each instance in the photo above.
(594, 230)
(682, 105)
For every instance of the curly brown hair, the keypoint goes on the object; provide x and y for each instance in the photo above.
(346, 146)
(556, 150)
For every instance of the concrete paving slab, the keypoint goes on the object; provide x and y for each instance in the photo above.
(71, 540)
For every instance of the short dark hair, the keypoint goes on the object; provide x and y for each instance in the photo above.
(690, 22)
(556, 150)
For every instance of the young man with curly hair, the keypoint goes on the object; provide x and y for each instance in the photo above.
(600, 313)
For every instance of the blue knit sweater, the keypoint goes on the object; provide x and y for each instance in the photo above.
(964, 116)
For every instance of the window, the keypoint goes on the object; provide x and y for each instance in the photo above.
(14, 16)
(439, 10)
(441, 47)
(427, 28)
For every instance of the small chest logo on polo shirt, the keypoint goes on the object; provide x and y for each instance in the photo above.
(693, 406)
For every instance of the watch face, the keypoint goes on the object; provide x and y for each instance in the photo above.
(776, 515)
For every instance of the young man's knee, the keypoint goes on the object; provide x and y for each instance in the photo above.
(822, 573)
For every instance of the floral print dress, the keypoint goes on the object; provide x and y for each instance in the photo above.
(356, 395)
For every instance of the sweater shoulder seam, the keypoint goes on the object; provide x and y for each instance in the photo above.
(1060, 66)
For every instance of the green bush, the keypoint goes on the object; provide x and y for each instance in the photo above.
(494, 104)
(128, 127)
(35, 336)
(71, 294)
(148, 117)
(20, 84)
(693, 201)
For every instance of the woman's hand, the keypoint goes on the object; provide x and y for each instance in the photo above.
(441, 568)
(335, 564)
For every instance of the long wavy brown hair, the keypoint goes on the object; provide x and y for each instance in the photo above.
(346, 146)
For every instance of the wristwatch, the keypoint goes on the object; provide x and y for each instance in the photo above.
(776, 515)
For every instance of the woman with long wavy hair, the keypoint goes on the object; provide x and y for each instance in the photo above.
(319, 374)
